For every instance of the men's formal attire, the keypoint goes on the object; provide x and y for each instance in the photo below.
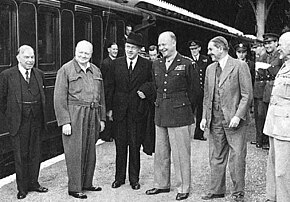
(227, 93)
(264, 81)
(107, 133)
(126, 78)
(79, 100)
(202, 63)
(22, 101)
(277, 127)
(177, 89)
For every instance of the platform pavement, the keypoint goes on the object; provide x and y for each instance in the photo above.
(54, 177)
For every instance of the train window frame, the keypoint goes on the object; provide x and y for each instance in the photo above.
(12, 29)
(73, 36)
(54, 13)
(90, 27)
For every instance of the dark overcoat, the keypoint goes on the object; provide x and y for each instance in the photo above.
(11, 96)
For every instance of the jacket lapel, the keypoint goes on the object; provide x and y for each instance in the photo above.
(226, 71)
(137, 68)
(211, 79)
(176, 61)
(16, 85)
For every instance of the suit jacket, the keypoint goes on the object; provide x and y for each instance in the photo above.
(122, 96)
(105, 66)
(236, 90)
(177, 91)
(201, 64)
(11, 96)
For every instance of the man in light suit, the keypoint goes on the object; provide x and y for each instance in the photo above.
(227, 97)
(127, 76)
(22, 101)
(277, 127)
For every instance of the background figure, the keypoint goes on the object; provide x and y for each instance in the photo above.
(79, 104)
(201, 63)
(177, 87)
(127, 76)
(227, 97)
(264, 82)
(22, 101)
(153, 53)
(128, 30)
(107, 134)
(277, 128)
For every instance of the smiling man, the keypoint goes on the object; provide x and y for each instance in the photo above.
(79, 104)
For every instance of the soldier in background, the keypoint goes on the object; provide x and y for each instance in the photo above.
(201, 62)
(153, 53)
(264, 81)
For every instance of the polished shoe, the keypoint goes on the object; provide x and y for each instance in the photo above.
(135, 185)
(238, 196)
(21, 195)
(210, 196)
(117, 184)
(92, 188)
(157, 191)
(182, 196)
(40, 189)
(200, 138)
(269, 200)
(77, 194)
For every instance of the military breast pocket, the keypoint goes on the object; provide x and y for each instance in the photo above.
(75, 84)
(178, 73)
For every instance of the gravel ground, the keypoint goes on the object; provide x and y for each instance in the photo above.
(54, 177)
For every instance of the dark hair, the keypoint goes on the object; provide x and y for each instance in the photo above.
(110, 44)
(152, 48)
(220, 41)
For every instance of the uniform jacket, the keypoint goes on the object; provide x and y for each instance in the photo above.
(278, 116)
(123, 92)
(177, 91)
(11, 96)
(201, 65)
(264, 78)
(236, 90)
(105, 66)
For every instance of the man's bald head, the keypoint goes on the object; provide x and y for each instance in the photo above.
(83, 53)
(26, 57)
(284, 46)
(167, 44)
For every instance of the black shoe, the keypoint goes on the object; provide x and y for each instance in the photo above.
(117, 184)
(266, 147)
(200, 138)
(38, 189)
(258, 145)
(210, 196)
(253, 142)
(135, 185)
(182, 196)
(21, 195)
(77, 194)
(157, 191)
(92, 188)
(238, 196)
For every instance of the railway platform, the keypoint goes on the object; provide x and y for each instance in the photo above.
(53, 176)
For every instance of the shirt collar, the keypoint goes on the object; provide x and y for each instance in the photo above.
(196, 57)
(23, 70)
(134, 61)
(84, 68)
(223, 61)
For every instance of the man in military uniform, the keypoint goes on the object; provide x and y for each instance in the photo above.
(177, 88)
(264, 81)
(201, 62)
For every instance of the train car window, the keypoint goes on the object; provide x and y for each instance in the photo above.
(97, 40)
(110, 30)
(27, 25)
(83, 27)
(67, 43)
(121, 36)
(48, 38)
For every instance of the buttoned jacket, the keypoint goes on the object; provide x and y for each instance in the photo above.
(235, 91)
(201, 65)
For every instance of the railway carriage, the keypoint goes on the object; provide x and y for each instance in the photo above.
(53, 27)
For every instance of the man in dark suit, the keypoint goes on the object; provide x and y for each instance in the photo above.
(127, 75)
(177, 87)
(227, 97)
(22, 100)
(201, 62)
(107, 134)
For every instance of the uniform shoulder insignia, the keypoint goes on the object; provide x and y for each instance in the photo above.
(185, 57)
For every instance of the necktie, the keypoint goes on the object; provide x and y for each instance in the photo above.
(27, 76)
(218, 70)
(131, 67)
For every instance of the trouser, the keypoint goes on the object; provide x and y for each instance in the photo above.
(126, 132)
(260, 112)
(177, 140)
(198, 132)
(26, 145)
(278, 171)
(226, 146)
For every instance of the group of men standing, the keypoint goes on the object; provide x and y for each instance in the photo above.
(124, 90)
